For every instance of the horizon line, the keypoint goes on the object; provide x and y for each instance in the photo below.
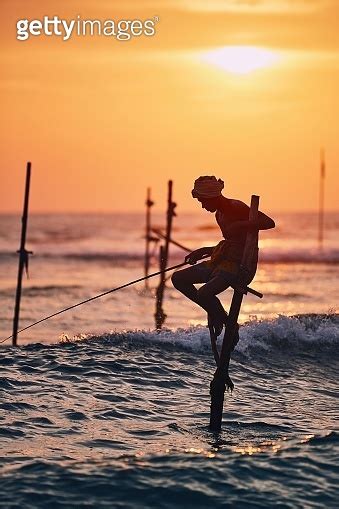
(140, 211)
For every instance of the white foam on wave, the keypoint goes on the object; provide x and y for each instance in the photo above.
(284, 333)
(290, 333)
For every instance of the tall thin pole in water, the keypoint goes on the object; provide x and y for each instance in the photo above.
(23, 256)
(149, 204)
(159, 313)
(321, 200)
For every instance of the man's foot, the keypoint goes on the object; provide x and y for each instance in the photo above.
(216, 325)
(213, 336)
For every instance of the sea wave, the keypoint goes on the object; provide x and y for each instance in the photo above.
(304, 256)
(272, 256)
(304, 333)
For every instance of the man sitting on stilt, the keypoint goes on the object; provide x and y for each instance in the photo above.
(221, 270)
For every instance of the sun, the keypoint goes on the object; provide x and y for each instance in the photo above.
(241, 59)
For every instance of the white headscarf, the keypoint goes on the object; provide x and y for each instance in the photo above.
(207, 187)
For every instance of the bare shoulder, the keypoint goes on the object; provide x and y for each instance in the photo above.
(239, 211)
(239, 208)
(238, 204)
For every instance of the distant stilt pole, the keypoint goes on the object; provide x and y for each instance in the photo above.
(23, 256)
(170, 214)
(149, 204)
(321, 200)
(159, 313)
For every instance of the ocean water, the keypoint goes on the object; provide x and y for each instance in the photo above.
(100, 410)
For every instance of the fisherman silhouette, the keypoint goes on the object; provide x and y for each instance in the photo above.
(221, 270)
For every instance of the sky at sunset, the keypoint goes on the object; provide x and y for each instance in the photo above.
(245, 90)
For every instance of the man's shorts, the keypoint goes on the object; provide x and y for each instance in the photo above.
(207, 273)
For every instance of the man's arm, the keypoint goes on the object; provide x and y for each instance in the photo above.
(263, 222)
(196, 255)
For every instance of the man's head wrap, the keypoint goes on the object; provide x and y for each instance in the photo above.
(207, 187)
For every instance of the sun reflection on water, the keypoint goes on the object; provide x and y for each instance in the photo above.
(264, 447)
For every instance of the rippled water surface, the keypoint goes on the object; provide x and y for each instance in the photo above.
(117, 414)
(122, 420)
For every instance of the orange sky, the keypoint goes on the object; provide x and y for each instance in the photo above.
(101, 120)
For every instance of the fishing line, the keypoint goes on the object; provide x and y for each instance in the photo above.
(98, 296)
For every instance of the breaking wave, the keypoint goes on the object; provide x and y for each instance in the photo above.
(304, 333)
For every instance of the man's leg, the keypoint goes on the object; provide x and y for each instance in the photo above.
(207, 298)
(184, 280)
(217, 315)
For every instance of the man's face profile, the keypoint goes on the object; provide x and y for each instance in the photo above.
(209, 204)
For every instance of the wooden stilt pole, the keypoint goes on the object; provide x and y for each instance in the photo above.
(321, 200)
(149, 204)
(164, 252)
(23, 256)
(221, 378)
(160, 315)
(162, 236)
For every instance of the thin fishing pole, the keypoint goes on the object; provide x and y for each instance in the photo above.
(98, 296)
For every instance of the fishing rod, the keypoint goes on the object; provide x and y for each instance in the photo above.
(247, 289)
(98, 296)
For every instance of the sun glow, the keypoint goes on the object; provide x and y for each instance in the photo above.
(241, 59)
